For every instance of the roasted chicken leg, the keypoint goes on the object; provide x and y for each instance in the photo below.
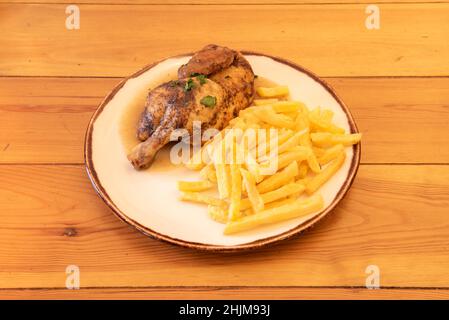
(213, 87)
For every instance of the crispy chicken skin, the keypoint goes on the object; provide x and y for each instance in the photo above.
(170, 106)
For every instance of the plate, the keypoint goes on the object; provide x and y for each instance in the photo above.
(148, 200)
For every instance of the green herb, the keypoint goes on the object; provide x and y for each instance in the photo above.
(173, 83)
(209, 101)
(201, 78)
(194, 74)
(189, 85)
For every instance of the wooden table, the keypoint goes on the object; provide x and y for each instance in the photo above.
(395, 80)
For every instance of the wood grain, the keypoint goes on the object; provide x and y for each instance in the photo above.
(395, 81)
(43, 120)
(331, 40)
(212, 2)
(394, 217)
(265, 293)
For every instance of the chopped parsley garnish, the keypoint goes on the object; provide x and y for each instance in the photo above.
(209, 101)
(189, 85)
(201, 78)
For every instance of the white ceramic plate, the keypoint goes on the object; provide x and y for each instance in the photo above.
(148, 200)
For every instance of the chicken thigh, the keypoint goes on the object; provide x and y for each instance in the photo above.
(213, 87)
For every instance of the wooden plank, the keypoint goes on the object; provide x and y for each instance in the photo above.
(224, 293)
(51, 218)
(45, 119)
(331, 40)
(212, 2)
(405, 120)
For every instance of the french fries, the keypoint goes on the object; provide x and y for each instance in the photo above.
(282, 192)
(254, 199)
(278, 179)
(218, 213)
(318, 180)
(287, 106)
(272, 92)
(297, 154)
(330, 154)
(320, 121)
(287, 211)
(275, 119)
(194, 185)
(236, 186)
(202, 198)
(290, 143)
(324, 139)
(271, 165)
(222, 171)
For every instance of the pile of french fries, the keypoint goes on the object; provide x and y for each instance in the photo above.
(264, 181)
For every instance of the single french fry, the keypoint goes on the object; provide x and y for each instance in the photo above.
(218, 213)
(236, 192)
(297, 154)
(313, 162)
(325, 139)
(291, 142)
(279, 203)
(194, 185)
(287, 211)
(318, 180)
(275, 119)
(330, 154)
(202, 198)
(272, 92)
(278, 179)
(253, 167)
(287, 106)
(248, 116)
(261, 102)
(222, 172)
(254, 199)
(282, 192)
(236, 179)
(319, 125)
(274, 204)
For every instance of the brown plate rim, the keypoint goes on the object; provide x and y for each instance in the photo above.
(209, 247)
